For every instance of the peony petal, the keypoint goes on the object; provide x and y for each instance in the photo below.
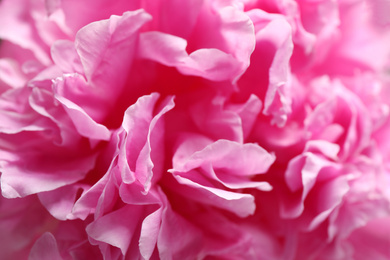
(277, 101)
(241, 204)
(248, 113)
(88, 201)
(146, 168)
(97, 45)
(220, 119)
(60, 202)
(178, 238)
(16, 115)
(22, 221)
(237, 182)
(80, 13)
(213, 119)
(331, 194)
(163, 48)
(84, 124)
(52, 6)
(16, 182)
(141, 127)
(227, 28)
(20, 30)
(149, 233)
(180, 24)
(11, 74)
(45, 248)
(372, 241)
(98, 42)
(114, 228)
(64, 55)
(170, 50)
(210, 63)
(237, 159)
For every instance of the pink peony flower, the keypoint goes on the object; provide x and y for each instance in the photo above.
(201, 129)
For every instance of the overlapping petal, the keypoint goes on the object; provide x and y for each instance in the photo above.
(200, 129)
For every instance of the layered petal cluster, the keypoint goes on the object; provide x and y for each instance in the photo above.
(199, 129)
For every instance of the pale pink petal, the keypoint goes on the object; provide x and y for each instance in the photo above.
(220, 119)
(237, 159)
(102, 68)
(240, 204)
(88, 201)
(80, 13)
(320, 122)
(178, 238)
(380, 9)
(209, 58)
(149, 233)
(16, 182)
(247, 112)
(39, 145)
(134, 194)
(277, 100)
(302, 171)
(44, 104)
(301, 175)
(45, 248)
(10, 75)
(143, 130)
(331, 194)
(180, 24)
(119, 33)
(22, 221)
(358, 209)
(170, 50)
(211, 64)
(114, 228)
(16, 114)
(149, 163)
(214, 120)
(60, 202)
(84, 124)
(20, 31)
(161, 47)
(49, 26)
(317, 29)
(372, 241)
(74, 88)
(52, 5)
(224, 27)
(64, 55)
(24, 58)
(269, 75)
(201, 166)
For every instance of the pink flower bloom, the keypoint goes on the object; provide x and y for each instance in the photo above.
(200, 129)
